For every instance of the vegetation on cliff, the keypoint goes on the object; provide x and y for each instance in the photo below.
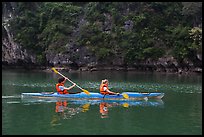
(133, 31)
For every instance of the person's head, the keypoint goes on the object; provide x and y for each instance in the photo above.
(61, 79)
(105, 81)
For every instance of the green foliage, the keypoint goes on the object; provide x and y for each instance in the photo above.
(49, 24)
(41, 59)
(186, 42)
(153, 52)
(156, 27)
(103, 53)
(196, 35)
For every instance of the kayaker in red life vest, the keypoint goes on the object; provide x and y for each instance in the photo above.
(104, 88)
(61, 89)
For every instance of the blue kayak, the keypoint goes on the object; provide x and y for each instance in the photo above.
(93, 95)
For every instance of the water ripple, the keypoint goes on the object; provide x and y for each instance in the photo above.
(124, 86)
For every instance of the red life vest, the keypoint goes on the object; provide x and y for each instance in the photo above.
(102, 89)
(58, 89)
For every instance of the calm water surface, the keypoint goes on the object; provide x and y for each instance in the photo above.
(178, 113)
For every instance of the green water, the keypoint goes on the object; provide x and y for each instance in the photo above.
(178, 113)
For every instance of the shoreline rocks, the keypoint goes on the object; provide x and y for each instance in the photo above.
(109, 68)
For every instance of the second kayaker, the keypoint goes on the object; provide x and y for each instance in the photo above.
(104, 88)
(61, 89)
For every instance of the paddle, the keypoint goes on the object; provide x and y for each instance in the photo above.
(125, 95)
(87, 92)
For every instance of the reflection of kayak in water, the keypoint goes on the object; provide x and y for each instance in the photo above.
(125, 103)
(92, 95)
(65, 111)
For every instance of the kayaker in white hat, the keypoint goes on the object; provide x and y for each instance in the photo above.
(104, 88)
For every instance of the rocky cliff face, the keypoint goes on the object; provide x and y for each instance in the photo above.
(74, 57)
(80, 58)
(12, 53)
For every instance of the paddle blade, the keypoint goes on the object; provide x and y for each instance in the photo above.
(86, 91)
(126, 105)
(125, 96)
(55, 70)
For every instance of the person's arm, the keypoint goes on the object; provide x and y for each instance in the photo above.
(106, 89)
(70, 87)
(66, 79)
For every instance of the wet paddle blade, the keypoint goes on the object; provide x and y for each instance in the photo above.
(125, 96)
(55, 70)
(86, 91)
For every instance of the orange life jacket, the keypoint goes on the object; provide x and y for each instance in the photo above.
(58, 89)
(102, 89)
